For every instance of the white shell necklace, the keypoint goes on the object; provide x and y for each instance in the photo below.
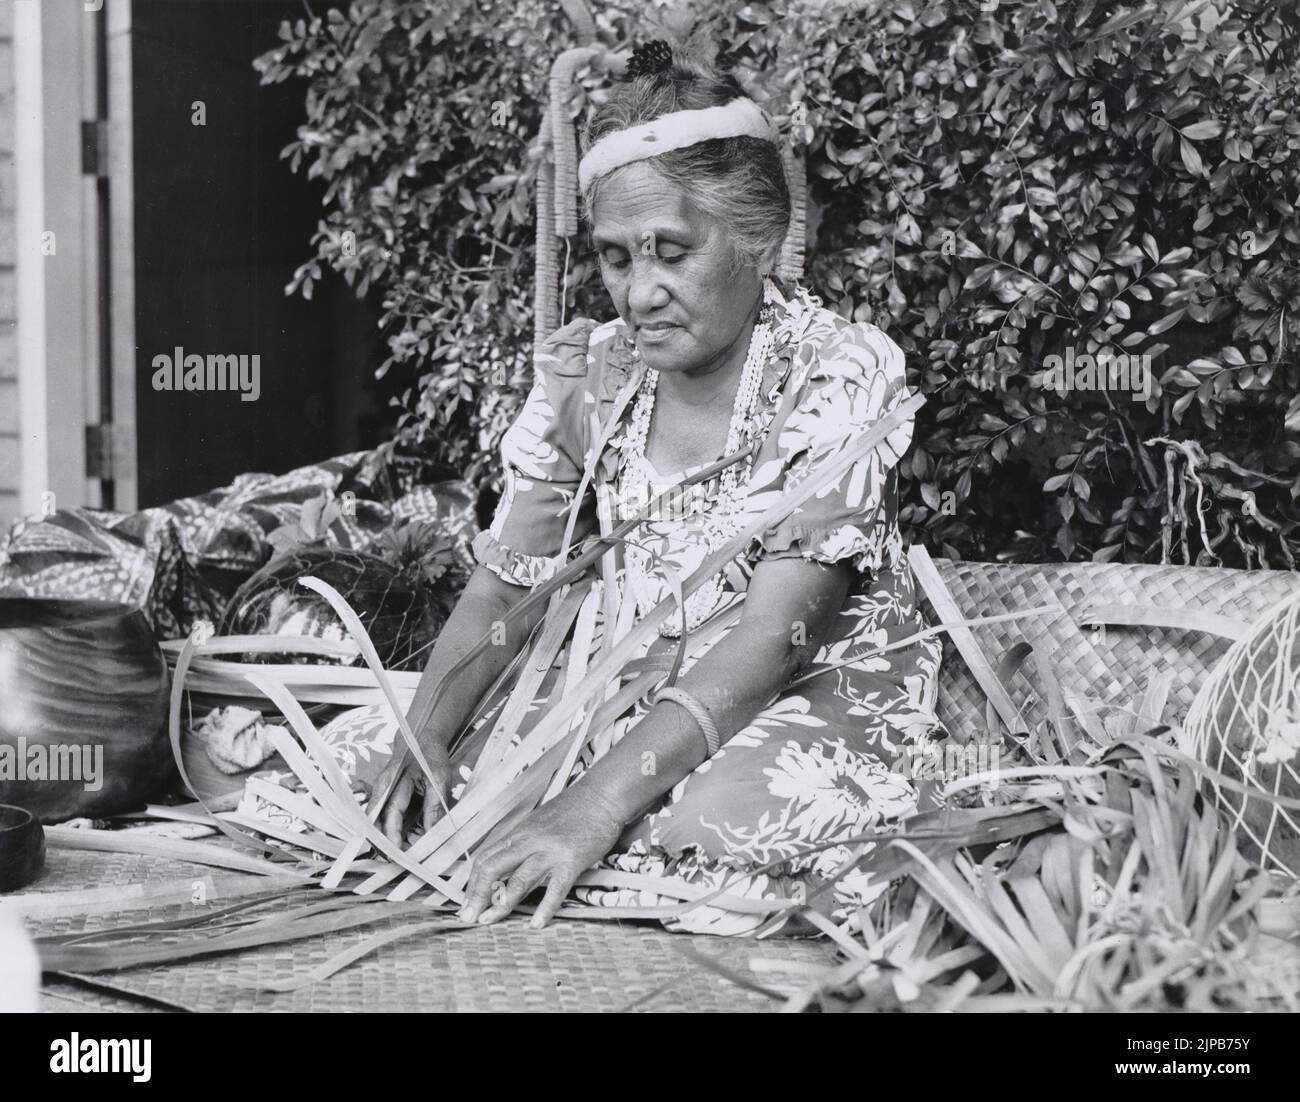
(721, 522)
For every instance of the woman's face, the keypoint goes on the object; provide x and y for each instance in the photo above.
(668, 268)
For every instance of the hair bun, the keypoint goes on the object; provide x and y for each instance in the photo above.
(655, 56)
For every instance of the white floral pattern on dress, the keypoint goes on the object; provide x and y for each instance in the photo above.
(816, 767)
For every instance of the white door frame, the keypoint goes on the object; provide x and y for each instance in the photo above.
(121, 177)
(58, 293)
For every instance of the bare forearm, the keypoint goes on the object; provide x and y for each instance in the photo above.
(480, 611)
(789, 612)
(733, 682)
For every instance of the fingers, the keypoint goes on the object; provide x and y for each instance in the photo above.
(487, 868)
(556, 890)
(437, 797)
(433, 809)
(490, 876)
(434, 797)
(395, 810)
(523, 880)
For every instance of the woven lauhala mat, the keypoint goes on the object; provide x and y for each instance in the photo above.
(1112, 666)
(571, 966)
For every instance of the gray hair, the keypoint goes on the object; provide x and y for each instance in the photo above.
(738, 181)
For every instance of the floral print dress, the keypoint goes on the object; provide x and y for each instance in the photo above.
(826, 760)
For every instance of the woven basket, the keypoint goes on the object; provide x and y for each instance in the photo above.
(1113, 664)
(1243, 724)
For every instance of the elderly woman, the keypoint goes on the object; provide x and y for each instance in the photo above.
(787, 732)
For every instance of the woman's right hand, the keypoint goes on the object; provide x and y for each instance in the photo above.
(412, 791)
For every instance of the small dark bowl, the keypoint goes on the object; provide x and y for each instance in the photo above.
(22, 848)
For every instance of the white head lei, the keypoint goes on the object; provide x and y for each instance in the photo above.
(740, 118)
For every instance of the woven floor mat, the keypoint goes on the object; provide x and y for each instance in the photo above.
(572, 966)
(1111, 665)
(60, 996)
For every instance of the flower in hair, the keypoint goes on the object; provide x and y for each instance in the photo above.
(655, 56)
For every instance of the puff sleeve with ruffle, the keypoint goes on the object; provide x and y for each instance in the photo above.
(857, 378)
(542, 461)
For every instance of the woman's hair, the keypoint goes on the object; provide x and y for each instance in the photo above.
(739, 181)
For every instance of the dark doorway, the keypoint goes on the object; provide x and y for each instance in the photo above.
(220, 225)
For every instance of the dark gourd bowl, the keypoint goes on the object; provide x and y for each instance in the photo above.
(83, 697)
(22, 848)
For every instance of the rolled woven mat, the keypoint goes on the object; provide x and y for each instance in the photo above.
(1114, 664)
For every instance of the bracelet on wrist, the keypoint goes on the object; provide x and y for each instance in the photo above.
(697, 712)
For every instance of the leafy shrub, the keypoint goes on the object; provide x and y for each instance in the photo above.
(420, 115)
(992, 187)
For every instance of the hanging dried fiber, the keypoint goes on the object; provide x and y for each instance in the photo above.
(545, 306)
(579, 14)
(790, 266)
(564, 138)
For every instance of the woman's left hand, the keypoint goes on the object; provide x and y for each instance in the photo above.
(557, 843)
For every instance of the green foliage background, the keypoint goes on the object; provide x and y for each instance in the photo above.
(990, 187)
